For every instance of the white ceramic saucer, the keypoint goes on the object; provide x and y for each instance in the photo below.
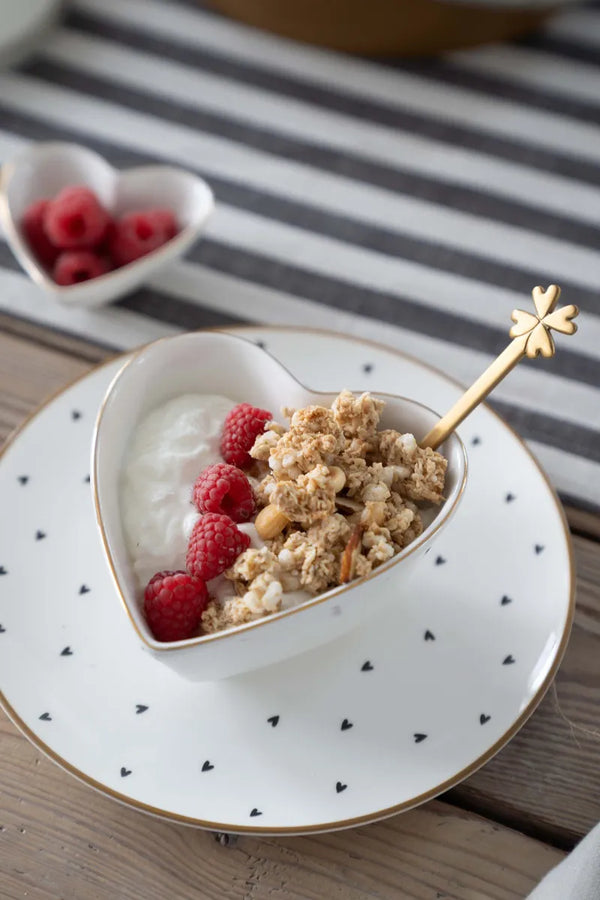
(369, 725)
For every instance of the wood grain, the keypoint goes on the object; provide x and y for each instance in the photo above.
(40, 336)
(29, 374)
(60, 839)
(584, 522)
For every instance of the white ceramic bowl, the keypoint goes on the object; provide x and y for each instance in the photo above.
(217, 363)
(44, 169)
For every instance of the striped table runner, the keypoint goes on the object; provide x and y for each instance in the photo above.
(413, 203)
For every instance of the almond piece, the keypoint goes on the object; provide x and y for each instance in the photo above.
(270, 522)
(351, 551)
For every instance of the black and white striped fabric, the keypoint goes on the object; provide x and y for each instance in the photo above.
(413, 203)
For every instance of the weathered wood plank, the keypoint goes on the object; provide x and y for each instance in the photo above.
(41, 336)
(583, 522)
(28, 374)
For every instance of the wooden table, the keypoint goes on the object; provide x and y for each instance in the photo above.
(494, 836)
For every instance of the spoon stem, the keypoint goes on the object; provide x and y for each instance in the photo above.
(478, 391)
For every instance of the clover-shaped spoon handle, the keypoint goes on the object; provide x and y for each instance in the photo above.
(531, 336)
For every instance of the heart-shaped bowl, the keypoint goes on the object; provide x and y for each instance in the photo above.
(233, 367)
(42, 170)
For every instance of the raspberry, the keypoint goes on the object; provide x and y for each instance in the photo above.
(33, 229)
(242, 426)
(226, 490)
(174, 603)
(74, 266)
(215, 544)
(75, 219)
(165, 219)
(139, 233)
(103, 248)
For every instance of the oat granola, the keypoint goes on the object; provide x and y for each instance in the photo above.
(344, 496)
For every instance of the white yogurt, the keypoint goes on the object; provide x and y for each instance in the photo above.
(170, 448)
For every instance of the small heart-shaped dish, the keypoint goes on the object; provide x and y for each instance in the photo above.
(45, 169)
(233, 367)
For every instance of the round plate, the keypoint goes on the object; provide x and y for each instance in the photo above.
(364, 727)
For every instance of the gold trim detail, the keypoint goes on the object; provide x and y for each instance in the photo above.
(369, 817)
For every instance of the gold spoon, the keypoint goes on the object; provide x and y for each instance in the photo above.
(531, 336)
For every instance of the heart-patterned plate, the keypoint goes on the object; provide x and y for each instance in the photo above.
(42, 170)
(375, 722)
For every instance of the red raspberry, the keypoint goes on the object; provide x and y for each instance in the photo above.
(242, 426)
(103, 248)
(33, 229)
(165, 219)
(226, 490)
(139, 233)
(215, 544)
(74, 266)
(75, 219)
(174, 603)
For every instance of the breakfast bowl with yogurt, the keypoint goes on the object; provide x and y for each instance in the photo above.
(245, 518)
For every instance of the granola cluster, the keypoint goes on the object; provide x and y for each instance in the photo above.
(336, 497)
